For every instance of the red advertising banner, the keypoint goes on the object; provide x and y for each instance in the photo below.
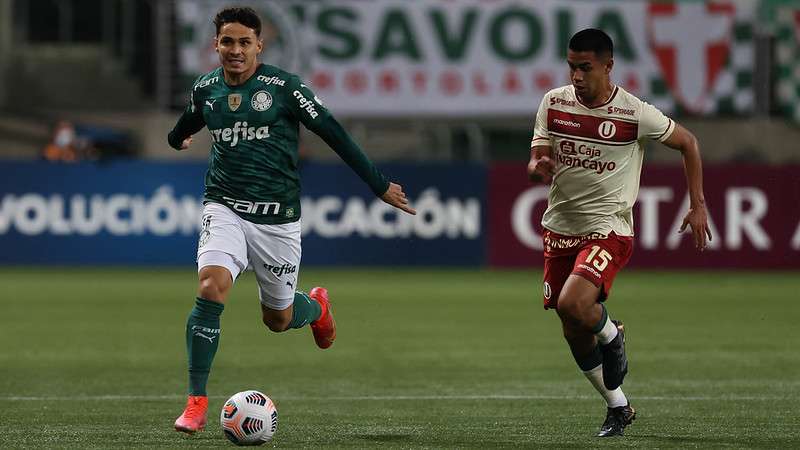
(754, 218)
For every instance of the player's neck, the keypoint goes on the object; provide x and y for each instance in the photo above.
(236, 79)
(601, 98)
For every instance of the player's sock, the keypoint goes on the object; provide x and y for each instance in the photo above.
(613, 398)
(202, 340)
(592, 367)
(304, 311)
(605, 329)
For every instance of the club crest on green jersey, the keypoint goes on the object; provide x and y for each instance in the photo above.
(261, 101)
(234, 100)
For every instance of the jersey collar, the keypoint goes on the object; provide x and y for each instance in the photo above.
(610, 98)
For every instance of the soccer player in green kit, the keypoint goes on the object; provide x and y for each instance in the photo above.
(251, 213)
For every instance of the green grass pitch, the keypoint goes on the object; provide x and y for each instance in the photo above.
(424, 359)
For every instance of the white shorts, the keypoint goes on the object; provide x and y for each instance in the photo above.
(271, 251)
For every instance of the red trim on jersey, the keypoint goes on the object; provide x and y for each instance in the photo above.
(613, 94)
(613, 130)
(661, 136)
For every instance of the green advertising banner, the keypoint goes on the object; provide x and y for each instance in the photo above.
(479, 58)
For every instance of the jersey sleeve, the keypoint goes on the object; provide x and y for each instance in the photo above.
(190, 122)
(304, 105)
(540, 134)
(309, 110)
(654, 124)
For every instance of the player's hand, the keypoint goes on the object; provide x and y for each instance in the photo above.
(186, 143)
(397, 198)
(541, 169)
(697, 219)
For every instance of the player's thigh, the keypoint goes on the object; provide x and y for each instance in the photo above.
(599, 261)
(559, 259)
(222, 240)
(274, 252)
(556, 272)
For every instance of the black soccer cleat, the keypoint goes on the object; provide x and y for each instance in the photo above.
(615, 363)
(616, 420)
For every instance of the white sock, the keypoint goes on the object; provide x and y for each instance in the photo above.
(613, 398)
(608, 332)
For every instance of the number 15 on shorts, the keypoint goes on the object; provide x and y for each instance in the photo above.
(599, 258)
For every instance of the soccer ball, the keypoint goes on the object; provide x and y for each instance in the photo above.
(249, 418)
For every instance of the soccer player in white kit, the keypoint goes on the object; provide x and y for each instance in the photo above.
(587, 143)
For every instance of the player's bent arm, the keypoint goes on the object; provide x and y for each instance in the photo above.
(684, 141)
(188, 124)
(540, 166)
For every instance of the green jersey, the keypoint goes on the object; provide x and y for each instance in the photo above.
(254, 128)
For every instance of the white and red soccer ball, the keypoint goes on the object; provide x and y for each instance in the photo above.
(249, 418)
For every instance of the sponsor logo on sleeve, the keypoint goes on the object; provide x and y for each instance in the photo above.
(306, 104)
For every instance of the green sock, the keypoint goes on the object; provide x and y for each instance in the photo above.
(305, 310)
(202, 340)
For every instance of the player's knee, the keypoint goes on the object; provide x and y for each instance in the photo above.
(211, 289)
(276, 323)
(570, 311)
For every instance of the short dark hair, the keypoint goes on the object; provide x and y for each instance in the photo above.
(238, 14)
(592, 40)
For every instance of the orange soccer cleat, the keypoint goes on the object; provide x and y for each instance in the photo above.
(324, 328)
(194, 417)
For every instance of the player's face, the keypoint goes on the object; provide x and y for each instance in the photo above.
(588, 73)
(238, 46)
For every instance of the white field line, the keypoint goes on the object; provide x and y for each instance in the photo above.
(678, 398)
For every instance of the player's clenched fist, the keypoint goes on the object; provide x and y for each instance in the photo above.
(541, 169)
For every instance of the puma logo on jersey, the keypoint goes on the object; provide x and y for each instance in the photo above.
(210, 104)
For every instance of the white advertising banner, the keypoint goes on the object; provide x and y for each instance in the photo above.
(479, 58)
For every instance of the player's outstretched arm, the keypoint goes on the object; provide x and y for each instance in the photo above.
(684, 141)
(397, 198)
(541, 166)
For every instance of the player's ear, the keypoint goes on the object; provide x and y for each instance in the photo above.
(216, 43)
(260, 46)
(609, 64)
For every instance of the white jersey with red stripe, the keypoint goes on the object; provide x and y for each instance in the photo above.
(598, 159)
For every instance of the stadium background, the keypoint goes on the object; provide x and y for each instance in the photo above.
(442, 95)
